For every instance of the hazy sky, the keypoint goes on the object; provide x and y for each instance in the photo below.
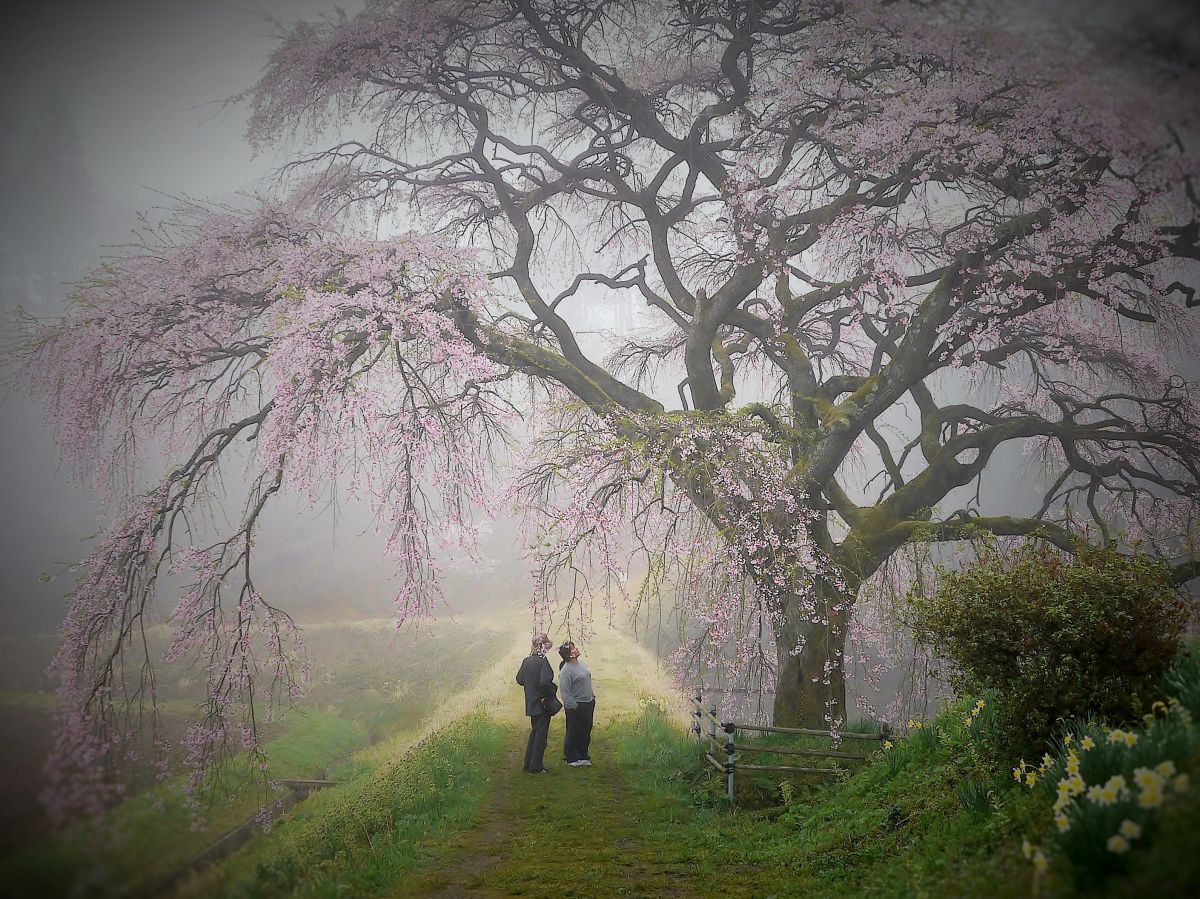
(143, 82)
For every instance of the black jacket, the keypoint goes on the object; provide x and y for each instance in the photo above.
(537, 677)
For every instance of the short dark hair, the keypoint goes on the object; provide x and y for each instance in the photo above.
(565, 651)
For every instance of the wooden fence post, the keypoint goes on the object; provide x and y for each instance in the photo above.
(730, 757)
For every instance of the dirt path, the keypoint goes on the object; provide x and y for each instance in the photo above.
(463, 862)
(539, 835)
(574, 832)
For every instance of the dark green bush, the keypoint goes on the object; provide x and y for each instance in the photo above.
(1054, 635)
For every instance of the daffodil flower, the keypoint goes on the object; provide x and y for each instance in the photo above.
(1150, 798)
(1040, 864)
(1118, 844)
(1130, 830)
(1147, 779)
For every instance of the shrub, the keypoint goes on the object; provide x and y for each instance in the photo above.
(1054, 636)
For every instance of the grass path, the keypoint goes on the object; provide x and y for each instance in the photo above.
(581, 832)
(572, 819)
(572, 833)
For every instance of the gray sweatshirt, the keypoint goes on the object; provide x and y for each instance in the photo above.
(575, 684)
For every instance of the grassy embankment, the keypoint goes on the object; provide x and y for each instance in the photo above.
(372, 686)
(446, 811)
(454, 815)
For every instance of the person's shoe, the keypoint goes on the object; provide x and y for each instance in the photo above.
(586, 763)
(579, 763)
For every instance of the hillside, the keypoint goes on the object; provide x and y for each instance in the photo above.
(452, 815)
(441, 808)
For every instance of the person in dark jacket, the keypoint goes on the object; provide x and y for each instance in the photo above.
(537, 677)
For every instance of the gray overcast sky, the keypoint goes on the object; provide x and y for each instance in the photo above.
(143, 82)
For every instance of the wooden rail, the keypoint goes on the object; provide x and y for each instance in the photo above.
(707, 720)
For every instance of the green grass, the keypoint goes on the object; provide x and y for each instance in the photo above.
(936, 816)
(878, 834)
(371, 685)
(363, 836)
(142, 841)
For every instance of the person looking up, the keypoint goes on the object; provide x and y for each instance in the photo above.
(578, 698)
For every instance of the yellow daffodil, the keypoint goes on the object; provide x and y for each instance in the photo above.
(1118, 844)
(1147, 779)
(1017, 774)
(1077, 784)
(1181, 783)
(887, 744)
(1061, 822)
(1047, 761)
(980, 704)
(1165, 768)
(1131, 738)
(1116, 736)
(1117, 782)
(1031, 778)
(1068, 739)
(975, 711)
(1027, 849)
(1072, 762)
(1040, 864)
(1130, 830)
(911, 724)
(1087, 743)
(967, 721)
(1150, 798)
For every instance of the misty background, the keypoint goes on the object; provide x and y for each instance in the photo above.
(111, 109)
(118, 107)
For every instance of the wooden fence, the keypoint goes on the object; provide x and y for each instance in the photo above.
(707, 725)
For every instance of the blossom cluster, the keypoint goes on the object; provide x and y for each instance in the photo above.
(264, 351)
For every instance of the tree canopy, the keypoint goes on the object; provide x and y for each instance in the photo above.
(897, 236)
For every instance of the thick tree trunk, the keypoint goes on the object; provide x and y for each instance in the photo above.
(811, 683)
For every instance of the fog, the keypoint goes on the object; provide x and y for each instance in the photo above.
(112, 108)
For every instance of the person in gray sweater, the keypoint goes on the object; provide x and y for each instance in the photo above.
(578, 698)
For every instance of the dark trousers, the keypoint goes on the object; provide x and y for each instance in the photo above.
(535, 749)
(579, 731)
